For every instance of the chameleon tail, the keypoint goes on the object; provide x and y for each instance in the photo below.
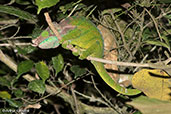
(104, 75)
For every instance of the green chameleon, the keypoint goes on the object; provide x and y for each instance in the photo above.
(83, 38)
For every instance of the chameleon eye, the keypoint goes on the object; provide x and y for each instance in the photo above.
(45, 34)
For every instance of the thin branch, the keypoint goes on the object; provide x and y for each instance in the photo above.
(159, 17)
(75, 101)
(72, 11)
(15, 38)
(49, 21)
(17, 44)
(7, 26)
(122, 36)
(155, 23)
(151, 65)
(110, 104)
(145, 57)
(90, 98)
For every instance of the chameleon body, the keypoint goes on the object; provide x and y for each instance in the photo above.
(84, 39)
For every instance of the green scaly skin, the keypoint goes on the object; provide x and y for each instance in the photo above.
(85, 40)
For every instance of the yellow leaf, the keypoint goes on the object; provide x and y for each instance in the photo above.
(153, 83)
(4, 95)
(109, 51)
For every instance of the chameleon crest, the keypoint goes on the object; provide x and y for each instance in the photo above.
(83, 38)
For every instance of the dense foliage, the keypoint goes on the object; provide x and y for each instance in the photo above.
(55, 81)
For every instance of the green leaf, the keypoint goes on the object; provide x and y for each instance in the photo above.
(42, 70)
(77, 70)
(58, 63)
(18, 93)
(165, 1)
(146, 34)
(45, 4)
(66, 7)
(147, 105)
(14, 103)
(24, 67)
(166, 39)
(168, 16)
(22, 2)
(36, 32)
(4, 82)
(19, 13)
(113, 10)
(37, 86)
(2, 71)
(5, 95)
(158, 43)
(26, 49)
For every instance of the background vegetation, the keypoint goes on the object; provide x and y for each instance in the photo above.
(139, 32)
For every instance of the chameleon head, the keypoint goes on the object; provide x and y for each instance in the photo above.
(50, 42)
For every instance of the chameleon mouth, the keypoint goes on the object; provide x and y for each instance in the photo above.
(35, 42)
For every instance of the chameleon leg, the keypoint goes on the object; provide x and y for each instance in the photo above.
(90, 51)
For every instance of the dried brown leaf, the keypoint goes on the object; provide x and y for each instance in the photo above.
(109, 51)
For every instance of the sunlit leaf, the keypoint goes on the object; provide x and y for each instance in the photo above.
(4, 95)
(37, 86)
(153, 83)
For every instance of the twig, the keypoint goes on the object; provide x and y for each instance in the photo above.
(90, 98)
(122, 36)
(49, 21)
(9, 21)
(72, 11)
(155, 23)
(159, 17)
(110, 104)
(138, 44)
(91, 12)
(7, 26)
(18, 44)
(145, 57)
(14, 38)
(75, 101)
(151, 65)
